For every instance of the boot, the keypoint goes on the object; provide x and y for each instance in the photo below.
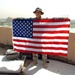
(34, 63)
(45, 64)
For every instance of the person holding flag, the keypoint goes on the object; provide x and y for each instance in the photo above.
(38, 12)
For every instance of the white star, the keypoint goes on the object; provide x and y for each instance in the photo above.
(30, 36)
(20, 34)
(16, 21)
(22, 24)
(24, 35)
(27, 35)
(20, 21)
(23, 21)
(31, 29)
(23, 28)
(31, 32)
(31, 21)
(17, 34)
(27, 31)
(27, 21)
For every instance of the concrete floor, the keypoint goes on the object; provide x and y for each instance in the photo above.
(54, 68)
(3, 51)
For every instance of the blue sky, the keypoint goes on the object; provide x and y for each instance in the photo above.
(25, 8)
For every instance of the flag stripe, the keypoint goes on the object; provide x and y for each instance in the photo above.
(41, 50)
(49, 29)
(52, 20)
(43, 45)
(52, 32)
(39, 34)
(43, 40)
(27, 41)
(51, 23)
(51, 26)
(49, 37)
(34, 52)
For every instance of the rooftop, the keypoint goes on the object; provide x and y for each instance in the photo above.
(54, 67)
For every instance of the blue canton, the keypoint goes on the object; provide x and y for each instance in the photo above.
(23, 28)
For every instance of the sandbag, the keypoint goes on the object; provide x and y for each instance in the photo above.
(11, 54)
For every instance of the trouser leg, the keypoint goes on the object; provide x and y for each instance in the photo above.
(44, 58)
(35, 58)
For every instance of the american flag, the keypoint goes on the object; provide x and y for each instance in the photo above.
(41, 36)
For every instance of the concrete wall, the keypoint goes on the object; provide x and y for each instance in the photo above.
(5, 35)
(71, 47)
(6, 38)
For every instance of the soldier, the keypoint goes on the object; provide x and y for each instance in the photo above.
(38, 12)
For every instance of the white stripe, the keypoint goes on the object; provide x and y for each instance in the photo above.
(38, 45)
(50, 23)
(49, 29)
(43, 40)
(19, 38)
(40, 34)
(41, 50)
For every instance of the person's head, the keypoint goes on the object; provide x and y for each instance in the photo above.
(38, 12)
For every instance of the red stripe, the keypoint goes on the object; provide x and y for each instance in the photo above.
(47, 37)
(52, 53)
(51, 26)
(52, 32)
(35, 47)
(36, 42)
(51, 20)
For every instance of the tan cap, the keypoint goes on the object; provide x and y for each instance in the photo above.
(39, 9)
